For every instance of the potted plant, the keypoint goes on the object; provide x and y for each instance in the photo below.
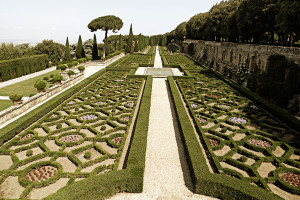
(75, 63)
(71, 73)
(57, 78)
(89, 58)
(81, 69)
(70, 65)
(16, 99)
(40, 85)
(63, 68)
(103, 59)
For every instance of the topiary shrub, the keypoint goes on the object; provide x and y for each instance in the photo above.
(16, 99)
(51, 75)
(243, 159)
(89, 58)
(29, 153)
(71, 72)
(57, 78)
(81, 68)
(46, 78)
(103, 59)
(87, 155)
(40, 85)
(63, 67)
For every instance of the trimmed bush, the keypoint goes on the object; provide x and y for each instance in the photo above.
(81, 68)
(10, 69)
(40, 84)
(71, 72)
(15, 97)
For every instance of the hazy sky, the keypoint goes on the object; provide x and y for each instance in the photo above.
(35, 20)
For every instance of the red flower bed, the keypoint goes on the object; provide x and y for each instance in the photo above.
(213, 96)
(71, 138)
(213, 143)
(41, 174)
(26, 137)
(117, 140)
(291, 179)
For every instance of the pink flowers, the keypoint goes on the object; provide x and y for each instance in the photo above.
(201, 120)
(71, 138)
(213, 143)
(130, 104)
(259, 143)
(27, 136)
(41, 174)
(238, 120)
(70, 102)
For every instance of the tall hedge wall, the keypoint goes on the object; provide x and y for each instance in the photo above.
(10, 69)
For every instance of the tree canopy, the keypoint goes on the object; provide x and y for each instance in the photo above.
(106, 23)
(249, 21)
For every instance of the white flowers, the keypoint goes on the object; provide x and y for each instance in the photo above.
(70, 102)
(88, 117)
(259, 143)
(238, 120)
(71, 138)
(223, 106)
(194, 105)
(130, 104)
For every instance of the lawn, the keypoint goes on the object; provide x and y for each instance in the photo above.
(5, 104)
(26, 87)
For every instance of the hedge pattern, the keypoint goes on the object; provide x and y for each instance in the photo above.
(94, 120)
(243, 139)
(10, 69)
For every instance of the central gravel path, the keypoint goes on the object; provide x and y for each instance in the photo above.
(166, 172)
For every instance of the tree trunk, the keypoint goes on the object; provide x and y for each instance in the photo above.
(291, 39)
(272, 38)
(104, 46)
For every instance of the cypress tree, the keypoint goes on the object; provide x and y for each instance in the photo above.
(67, 51)
(120, 43)
(79, 48)
(130, 40)
(136, 45)
(95, 49)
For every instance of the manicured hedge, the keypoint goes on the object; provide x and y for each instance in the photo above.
(9, 131)
(10, 69)
(129, 179)
(216, 185)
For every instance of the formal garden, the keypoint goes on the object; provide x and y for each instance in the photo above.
(135, 117)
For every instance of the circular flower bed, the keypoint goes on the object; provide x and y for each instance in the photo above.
(213, 96)
(26, 137)
(117, 140)
(194, 105)
(41, 174)
(259, 143)
(70, 138)
(238, 120)
(213, 142)
(223, 106)
(201, 120)
(291, 179)
(88, 117)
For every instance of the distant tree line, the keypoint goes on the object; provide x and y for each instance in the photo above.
(247, 21)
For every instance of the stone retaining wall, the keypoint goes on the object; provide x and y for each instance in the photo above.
(14, 111)
(220, 54)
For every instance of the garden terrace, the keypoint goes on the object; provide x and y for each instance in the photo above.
(80, 138)
(240, 139)
(180, 59)
(134, 60)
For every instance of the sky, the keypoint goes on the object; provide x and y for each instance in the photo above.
(32, 21)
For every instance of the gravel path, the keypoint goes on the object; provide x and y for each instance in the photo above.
(166, 173)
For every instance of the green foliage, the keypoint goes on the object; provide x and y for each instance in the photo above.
(130, 41)
(67, 51)
(106, 23)
(107, 48)
(9, 51)
(46, 78)
(55, 51)
(95, 49)
(10, 69)
(15, 97)
(29, 153)
(79, 49)
(87, 155)
(40, 84)
(81, 68)
(57, 78)
(120, 41)
(71, 72)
